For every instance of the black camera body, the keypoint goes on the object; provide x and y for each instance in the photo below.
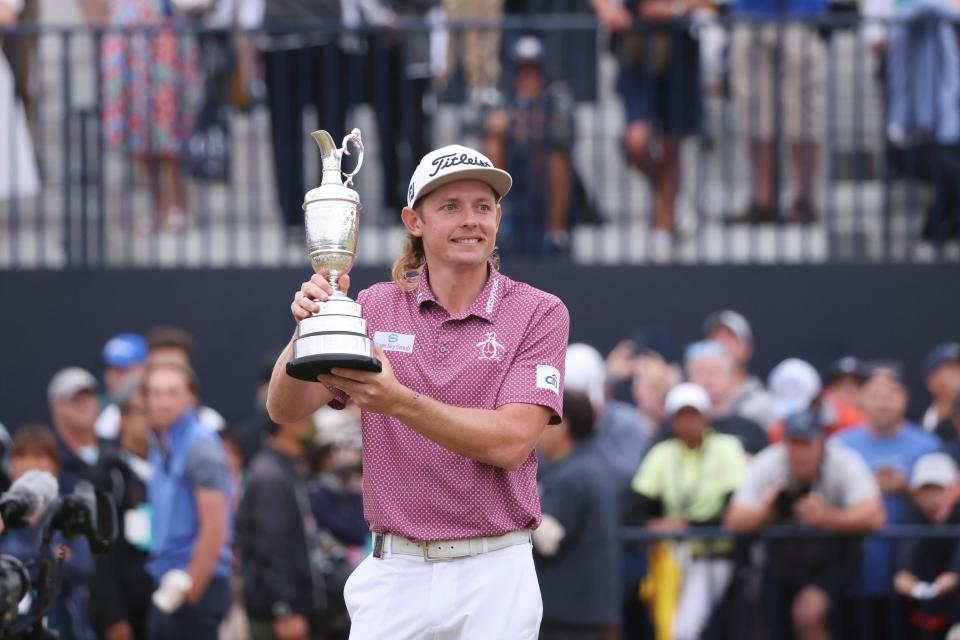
(786, 498)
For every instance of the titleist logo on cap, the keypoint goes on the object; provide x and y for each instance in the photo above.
(452, 160)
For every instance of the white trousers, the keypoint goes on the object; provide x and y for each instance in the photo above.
(489, 596)
(704, 582)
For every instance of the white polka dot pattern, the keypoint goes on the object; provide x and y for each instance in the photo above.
(484, 358)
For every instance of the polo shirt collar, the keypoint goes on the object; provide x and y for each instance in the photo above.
(486, 303)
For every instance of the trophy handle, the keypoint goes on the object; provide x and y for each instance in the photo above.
(354, 138)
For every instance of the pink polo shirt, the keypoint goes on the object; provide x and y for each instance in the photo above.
(508, 347)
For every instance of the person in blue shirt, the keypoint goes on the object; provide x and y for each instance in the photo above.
(891, 446)
(188, 496)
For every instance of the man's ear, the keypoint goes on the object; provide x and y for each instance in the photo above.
(411, 220)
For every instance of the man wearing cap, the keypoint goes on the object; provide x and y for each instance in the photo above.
(806, 481)
(890, 445)
(73, 407)
(473, 376)
(124, 357)
(622, 432)
(941, 373)
(928, 570)
(684, 481)
(748, 398)
(533, 136)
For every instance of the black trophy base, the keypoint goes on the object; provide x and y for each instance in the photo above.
(309, 367)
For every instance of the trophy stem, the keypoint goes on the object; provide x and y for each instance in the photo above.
(332, 279)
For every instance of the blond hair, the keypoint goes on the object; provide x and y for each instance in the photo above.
(408, 267)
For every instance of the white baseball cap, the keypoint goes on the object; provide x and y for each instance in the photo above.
(455, 162)
(793, 385)
(586, 372)
(934, 468)
(69, 382)
(685, 395)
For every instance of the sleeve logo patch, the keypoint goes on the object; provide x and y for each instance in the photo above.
(391, 341)
(548, 378)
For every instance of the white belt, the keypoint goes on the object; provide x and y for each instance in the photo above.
(442, 550)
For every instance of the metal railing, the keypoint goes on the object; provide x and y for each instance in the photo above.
(754, 600)
(92, 94)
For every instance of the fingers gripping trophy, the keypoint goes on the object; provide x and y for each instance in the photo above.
(336, 335)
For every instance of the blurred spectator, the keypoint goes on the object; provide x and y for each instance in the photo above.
(302, 69)
(73, 406)
(949, 431)
(34, 448)
(476, 49)
(124, 357)
(172, 344)
(748, 399)
(21, 53)
(151, 95)
(621, 432)
(659, 80)
(18, 164)
(252, 431)
(532, 138)
(928, 570)
(890, 445)
(778, 77)
(6, 444)
(577, 546)
(710, 366)
(652, 380)
(398, 77)
(188, 496)
(686, 481)
(941, 373)
(807, 481)
(797, 383)
(283, 587)
(121, 587)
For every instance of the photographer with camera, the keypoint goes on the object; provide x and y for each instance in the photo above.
(35, 449)
(190, 554)
(806, 481)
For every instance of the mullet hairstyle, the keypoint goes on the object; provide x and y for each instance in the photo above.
(408, 267)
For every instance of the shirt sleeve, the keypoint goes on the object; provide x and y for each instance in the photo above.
(649, 478)
(761, 474)
(207, 465)
(536, 374)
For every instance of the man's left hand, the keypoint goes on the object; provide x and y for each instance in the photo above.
(376, 392)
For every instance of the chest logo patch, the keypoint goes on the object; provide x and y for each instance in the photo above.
(489, 348)
(392, 341)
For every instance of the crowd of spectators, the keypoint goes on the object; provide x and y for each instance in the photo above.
(250, 529)
(165, 93)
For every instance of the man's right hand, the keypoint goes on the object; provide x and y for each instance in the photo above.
(292, 627)
(613, 16)
(312, 292)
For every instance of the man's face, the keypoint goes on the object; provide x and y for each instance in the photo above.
(932, 500)
(689, 425)
(847, 388)
(739, 350)
(135, 422)
(458, 224)
(168, 397)
(885, 402)
(77, 414)
(32, 461)
(529, 80)
(944, 381)
(715, 375)
(803, 458)
(114, 377)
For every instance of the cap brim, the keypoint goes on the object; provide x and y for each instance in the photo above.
(498, 179)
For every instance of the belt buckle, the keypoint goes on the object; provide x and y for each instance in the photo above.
(428, 558)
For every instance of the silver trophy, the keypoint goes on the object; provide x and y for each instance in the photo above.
(335, 336)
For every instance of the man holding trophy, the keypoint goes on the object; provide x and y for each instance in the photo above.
(458, 370)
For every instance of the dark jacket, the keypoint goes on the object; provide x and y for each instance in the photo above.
(121, 586)
(275, 530)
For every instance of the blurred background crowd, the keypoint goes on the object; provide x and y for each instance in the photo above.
(683, 450)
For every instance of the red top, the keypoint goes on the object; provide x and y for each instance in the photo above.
(508, 347)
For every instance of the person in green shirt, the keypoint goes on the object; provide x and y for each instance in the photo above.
(687, 481)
